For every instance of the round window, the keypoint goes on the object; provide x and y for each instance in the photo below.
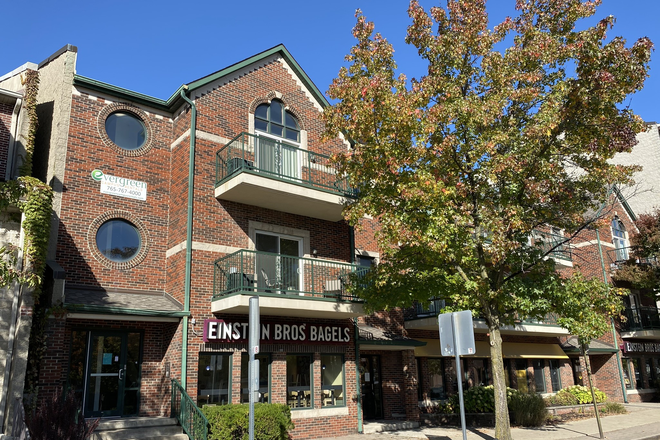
(118, 240)
(126, 130)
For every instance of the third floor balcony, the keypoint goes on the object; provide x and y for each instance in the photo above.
(641, 322)
(267, 172)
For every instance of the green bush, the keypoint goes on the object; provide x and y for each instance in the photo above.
(528, 409)
(479, 399)
(576, 395)
(271, 421)
(613, 408)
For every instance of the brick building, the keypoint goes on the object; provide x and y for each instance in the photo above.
(170, 214)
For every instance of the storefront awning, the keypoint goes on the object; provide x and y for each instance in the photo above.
(511, 350)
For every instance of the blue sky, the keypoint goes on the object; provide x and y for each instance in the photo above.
(154, 47)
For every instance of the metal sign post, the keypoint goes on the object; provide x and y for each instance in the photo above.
(253, 367)
(457, 338)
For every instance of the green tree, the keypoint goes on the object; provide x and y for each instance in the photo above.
(462, 164)
(586, 308)
(642, 270)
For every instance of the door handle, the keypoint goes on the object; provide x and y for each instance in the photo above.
(121, 374)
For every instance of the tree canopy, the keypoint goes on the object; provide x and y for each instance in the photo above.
(509, 131)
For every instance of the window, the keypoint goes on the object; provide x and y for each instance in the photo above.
(366, 261)
(539, 375)
(264, 368)
(214, 378)
(126, 130)
(522, 376)
(278, 262)
(437, 388)
(554, 375)
(298, 381)
(118, 240)
(619, 239)
(332, 380)
(274, 119)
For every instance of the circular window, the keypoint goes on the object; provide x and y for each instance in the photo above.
(126, 130)
(118, 240)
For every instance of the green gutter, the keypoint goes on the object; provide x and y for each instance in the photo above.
(351, 233)
(189, 226)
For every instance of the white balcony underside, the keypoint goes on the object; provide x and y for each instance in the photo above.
(641, 334)
(289, 306)
(281, 196)
(526, 328)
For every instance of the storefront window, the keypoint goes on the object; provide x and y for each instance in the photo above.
(539, 375)
(635, 372)
(213, 378)
(77, 362)
(264, 368)
(650, 372)
(554, 375)
(521, 375)
(656, 374)
(437, 388)
(298, 381)
(332, 380)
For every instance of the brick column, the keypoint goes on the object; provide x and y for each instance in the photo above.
(410, 384)
(278, 378)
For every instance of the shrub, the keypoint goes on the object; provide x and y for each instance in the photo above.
(479, 399)
(59, 419)
(576, 395)
(613, 408)
(271, 421)
(528, 409)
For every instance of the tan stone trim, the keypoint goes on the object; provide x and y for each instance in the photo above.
(592, 243)
(300, 84)
(200, 246)
(201, 135)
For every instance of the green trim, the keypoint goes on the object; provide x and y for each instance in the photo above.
(406, 342)
(624, 203)
(295, 295)
(175, 101)
(122, 311)
(591, 350)
(258, 57)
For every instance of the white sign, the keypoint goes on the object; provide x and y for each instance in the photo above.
(121, 186)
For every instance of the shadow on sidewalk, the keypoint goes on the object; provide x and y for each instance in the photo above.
(472, 430)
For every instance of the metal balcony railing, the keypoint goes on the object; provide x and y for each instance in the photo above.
(631, 254)
(641, 318)
(547, 241)
(276, 159)
(268, 273)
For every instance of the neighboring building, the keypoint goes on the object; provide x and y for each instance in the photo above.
(156, 285)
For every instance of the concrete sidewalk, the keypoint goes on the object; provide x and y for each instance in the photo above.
(641, 423)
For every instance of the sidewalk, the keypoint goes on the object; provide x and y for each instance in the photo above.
(641, 423)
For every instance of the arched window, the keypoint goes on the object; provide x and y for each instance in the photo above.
(274, 119)
(619, 239)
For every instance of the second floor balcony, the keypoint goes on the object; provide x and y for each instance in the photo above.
(548, 242)
(286, 285)
(267, 172)
(630, 255)
(641, 322)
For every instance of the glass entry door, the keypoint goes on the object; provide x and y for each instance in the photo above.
(371, 386)
(280, 271)
(112, 382)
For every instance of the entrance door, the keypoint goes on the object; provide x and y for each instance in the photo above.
(372, 387)
(112, 382)
(280, 271)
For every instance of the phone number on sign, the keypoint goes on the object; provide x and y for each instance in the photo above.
(120, 190)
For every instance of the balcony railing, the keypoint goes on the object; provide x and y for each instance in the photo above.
(547, 241)
(267, 273)
(432, 309)
(273, 158)
(641, 318)
(192, 419)
(631, 254)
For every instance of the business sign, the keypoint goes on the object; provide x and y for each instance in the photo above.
(640, 347)
(121, 186)
(218, 330)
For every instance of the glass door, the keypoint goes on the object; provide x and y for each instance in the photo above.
(277, 158)
(112, 382)
(371, 386)
(280, 271)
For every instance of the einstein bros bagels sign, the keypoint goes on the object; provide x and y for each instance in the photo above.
(219, 330)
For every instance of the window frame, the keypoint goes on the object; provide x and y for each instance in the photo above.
(311, 381)
(137, 232)
(260, 356)
(343, 380)
(229, 376)
(269, 121)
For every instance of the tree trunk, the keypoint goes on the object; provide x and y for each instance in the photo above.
(587, 364)
(502, 426)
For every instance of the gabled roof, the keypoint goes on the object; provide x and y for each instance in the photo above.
(175, 101)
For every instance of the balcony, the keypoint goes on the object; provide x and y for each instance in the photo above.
(425, 317)
(641, 322)
(286, 286)
(562, 254)
(269, 173)
(630, 255)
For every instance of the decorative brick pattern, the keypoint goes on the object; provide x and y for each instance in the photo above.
(135, 111)
(122, 215)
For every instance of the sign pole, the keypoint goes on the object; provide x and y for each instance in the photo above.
(253, 366)
(457, 343)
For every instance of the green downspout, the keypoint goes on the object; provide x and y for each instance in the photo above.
(602, 266)
(351, 232)
(616, 345)
(189, 226)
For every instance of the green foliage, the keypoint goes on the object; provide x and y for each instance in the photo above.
(60, 419)
(271, 421)
(576, 395)
(31, 83)
(479, 399)
(642, 271)
(613, 408)
(528, 409)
